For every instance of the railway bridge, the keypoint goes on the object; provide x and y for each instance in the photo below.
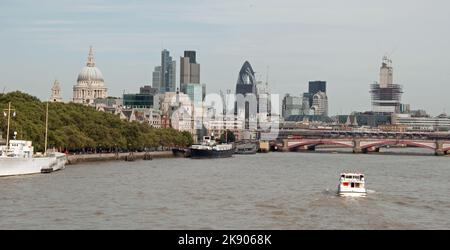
(361, 142)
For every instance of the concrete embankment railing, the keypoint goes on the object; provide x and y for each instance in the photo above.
(74, 159)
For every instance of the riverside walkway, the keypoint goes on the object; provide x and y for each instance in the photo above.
(79, 158)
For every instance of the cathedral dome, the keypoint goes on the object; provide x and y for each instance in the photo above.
(91, 74)
(90, 84)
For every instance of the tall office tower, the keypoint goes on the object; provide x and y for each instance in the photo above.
(255, 105)
(191, 54)
(168, 73)
(189, 70)
(156, 79)
(320, 104)
(306, 106)
(246, 83)
(246, 86)
(292, 105)
(314, 87)
(386, 95)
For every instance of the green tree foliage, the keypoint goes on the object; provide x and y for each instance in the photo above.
(78, 127)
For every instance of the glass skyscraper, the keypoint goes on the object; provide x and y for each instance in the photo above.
(195, 93)
(168, 73)
(315, 87)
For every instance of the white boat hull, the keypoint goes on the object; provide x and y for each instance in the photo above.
(352, 194)
(57, 162)
(10, 166)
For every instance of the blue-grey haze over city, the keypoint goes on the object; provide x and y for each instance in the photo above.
(293, 42)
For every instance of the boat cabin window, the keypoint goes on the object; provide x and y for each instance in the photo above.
(352, 177)
(355, 185)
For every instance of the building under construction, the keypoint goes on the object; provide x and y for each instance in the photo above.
(386, 95)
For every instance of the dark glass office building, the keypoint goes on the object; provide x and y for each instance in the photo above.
(191, 55)
(314, 87)
(137, 101)
(149, 90)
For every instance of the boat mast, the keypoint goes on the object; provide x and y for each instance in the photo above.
(9, 121)
(46, 130)
(7, 130)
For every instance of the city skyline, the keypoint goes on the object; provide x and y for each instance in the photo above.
(49, 41)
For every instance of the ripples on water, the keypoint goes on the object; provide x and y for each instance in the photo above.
(264, 191)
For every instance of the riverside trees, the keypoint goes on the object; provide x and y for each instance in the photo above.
(76, 127)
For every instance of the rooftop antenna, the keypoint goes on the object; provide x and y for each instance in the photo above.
(267, 78)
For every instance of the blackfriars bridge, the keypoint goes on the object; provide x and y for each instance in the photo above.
(361, 142)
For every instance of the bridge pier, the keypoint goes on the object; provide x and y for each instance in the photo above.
(439, 153)
(285, 145)
(439, 149)
(357, 146)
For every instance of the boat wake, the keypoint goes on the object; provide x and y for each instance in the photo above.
(333, 192)
(369, 191)
(329, 192)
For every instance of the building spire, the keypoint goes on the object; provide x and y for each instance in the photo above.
(90, 59)
(55, 83)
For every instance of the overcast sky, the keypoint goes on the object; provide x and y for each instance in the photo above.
(341, 42)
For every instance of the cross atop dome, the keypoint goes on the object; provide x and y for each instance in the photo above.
(90, 59)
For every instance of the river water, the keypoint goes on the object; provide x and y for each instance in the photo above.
(264, 191)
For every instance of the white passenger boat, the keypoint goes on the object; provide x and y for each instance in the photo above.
(17, 156)
(352, 185)
(19, 159)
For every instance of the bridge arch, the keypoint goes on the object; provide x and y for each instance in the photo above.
(399, 142)
(319, 142)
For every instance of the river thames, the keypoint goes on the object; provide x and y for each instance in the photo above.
(263, 191)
